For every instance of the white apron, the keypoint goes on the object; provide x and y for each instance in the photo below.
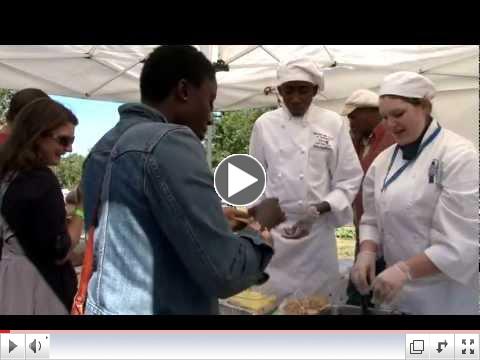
(307, 160)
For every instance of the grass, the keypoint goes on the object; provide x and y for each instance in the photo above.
(345, 242)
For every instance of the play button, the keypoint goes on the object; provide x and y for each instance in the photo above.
(239, 179)
(11, 346)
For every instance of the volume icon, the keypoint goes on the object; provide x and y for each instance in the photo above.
(35, 346)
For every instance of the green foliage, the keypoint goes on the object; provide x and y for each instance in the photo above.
(345, 232)
(232, 134)
(69, 171)
(345, 242)
(5, 97)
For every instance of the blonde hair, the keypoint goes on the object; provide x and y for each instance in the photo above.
(424, 102)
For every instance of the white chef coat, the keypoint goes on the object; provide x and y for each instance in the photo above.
(432, 207)
(307, 160)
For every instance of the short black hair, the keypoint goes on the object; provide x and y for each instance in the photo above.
(167, 65)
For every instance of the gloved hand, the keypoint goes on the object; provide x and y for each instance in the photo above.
(389, 283)
(303, 226)
(363, 271)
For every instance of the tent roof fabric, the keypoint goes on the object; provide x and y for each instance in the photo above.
(111, 72)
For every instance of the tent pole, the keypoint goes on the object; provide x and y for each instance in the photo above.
(114, 68)
(94, 90)
(209, 143)
(270, 53)
(211, 52)
(242, 54)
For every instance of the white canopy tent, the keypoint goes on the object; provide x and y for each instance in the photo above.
(111, 72)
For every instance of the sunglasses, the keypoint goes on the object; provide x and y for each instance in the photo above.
(64, 140)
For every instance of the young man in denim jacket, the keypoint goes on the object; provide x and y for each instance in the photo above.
(162, 242)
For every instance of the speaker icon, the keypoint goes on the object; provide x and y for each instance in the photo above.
(35, 346)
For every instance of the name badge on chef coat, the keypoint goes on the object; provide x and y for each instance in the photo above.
(435, 172)
(322, 141)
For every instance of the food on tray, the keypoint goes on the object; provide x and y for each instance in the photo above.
(254, 301)
(310, 305)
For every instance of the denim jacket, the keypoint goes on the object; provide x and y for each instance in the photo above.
(162, 244)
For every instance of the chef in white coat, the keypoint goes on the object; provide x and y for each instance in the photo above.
(421, 208)
(313, 170)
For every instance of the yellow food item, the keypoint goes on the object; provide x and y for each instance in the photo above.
(254, 301)
(311, 305)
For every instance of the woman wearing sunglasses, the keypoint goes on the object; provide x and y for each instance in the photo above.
(36, 275)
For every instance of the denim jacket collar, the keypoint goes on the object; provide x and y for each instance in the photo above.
(141, 110)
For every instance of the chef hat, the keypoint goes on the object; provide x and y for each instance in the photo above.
(303, 69)
(362, 98)
(407, 84)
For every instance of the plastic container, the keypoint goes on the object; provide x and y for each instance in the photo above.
(354, 310)
(228, 309)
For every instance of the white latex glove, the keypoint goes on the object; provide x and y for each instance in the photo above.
(363, 271)
(389, 282)
(303, 226)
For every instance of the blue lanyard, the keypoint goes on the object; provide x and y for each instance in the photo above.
(404, 166)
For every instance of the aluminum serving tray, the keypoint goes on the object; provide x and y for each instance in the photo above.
(354, 310)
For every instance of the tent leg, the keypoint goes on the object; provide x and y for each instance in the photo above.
(209, 141)
(211, 52)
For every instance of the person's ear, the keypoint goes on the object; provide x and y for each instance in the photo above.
(280, 90)
(182, 90)
(315, 90)
(427, 106)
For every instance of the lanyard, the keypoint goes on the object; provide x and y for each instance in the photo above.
(404, 166)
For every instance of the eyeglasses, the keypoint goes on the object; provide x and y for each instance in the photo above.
(64, 140)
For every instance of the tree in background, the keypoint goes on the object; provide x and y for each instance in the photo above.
(232, 133)
(5, 97)
(69, 171)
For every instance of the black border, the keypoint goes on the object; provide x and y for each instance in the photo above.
(242, 23)
(272, 322)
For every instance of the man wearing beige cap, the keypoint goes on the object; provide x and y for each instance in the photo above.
(313, 170)
(361, 108)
